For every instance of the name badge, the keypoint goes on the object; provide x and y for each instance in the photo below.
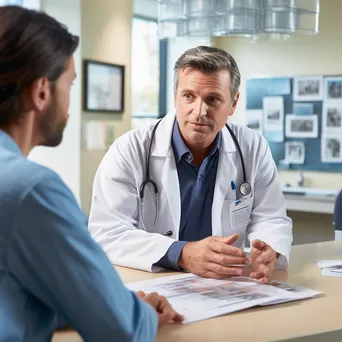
(240, 211)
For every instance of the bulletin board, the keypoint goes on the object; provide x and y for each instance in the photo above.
(309, 123)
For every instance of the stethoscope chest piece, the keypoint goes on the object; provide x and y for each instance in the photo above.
(245, 189)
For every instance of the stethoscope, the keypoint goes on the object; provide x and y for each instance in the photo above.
(245, 188)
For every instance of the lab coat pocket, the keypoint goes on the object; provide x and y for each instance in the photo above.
(236, 216)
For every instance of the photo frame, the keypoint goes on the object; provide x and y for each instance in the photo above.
(104, 85)
(332, 117)
(254, 120)
(333, 88)
(308, 88)
(301, 126)
(273, 109)
(295, 152)
(331, 149)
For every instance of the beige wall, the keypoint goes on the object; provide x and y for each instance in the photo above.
(321, 54)
(106, 36)
(65, 158)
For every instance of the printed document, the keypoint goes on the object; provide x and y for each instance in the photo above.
(200, 298)
(330, 267)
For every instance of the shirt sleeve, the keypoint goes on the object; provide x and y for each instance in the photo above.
(61, 323)
(170, 259)
(53, 256)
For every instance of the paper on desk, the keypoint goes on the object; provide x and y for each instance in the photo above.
(328, 263)
(199, 298)
(297, 292)
(335, 271)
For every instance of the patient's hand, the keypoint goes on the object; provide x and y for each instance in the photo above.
(163, 308)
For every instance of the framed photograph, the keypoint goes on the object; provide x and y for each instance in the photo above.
(295, 152)
(308, 88)
(331, 149)
(302, 108)
(301, 126)
(332, 117)
(104, 85)
(254, 120)
(273, 107)
(333, 88)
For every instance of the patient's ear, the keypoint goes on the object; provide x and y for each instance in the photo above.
(38, 95)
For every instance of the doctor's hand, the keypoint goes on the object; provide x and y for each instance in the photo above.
(264, 257)
(163, 308)
(213, 257)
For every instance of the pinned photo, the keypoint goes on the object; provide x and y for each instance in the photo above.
(295, 152)
(254, 120)
(333, 88)
(301, 126)
(273, 107)
(331, 149)
(332, 117)
(308, 88)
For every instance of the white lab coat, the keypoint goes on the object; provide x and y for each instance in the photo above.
(115, 222)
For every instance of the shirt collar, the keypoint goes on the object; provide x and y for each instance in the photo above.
(180, 149)
(7, 142)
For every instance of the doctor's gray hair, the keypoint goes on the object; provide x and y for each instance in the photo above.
(208, 59)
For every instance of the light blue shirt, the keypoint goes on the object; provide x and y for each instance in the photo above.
(49, 264)
(197, 186)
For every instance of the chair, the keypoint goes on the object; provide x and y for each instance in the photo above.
(338, 217)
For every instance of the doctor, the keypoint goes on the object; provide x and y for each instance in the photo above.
(183, 194)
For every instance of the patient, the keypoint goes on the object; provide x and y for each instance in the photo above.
(49, 264)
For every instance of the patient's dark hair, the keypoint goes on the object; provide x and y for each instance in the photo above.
(32, 45)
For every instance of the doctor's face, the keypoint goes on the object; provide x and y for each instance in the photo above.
(203, 104)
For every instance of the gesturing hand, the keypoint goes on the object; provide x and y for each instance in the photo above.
(213, 257)
(264, 257)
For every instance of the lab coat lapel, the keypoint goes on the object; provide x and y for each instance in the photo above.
(226, 172)
(171, 186)
(169, 178)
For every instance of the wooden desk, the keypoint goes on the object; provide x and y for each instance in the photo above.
(273, 323)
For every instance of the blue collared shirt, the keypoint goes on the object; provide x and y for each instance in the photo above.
(50, 266)
(197, 192)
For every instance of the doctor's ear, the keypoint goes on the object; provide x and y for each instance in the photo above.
(175, 100)
(235, 102)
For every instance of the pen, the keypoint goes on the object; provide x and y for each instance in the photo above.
(233, 186)
(237, 202)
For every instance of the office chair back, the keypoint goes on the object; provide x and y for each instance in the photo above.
(338, 217)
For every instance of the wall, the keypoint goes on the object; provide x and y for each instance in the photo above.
(65, 159)
(31, 4)
(321, 54)
(106, 36)
(35, 4)
(146, 8)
